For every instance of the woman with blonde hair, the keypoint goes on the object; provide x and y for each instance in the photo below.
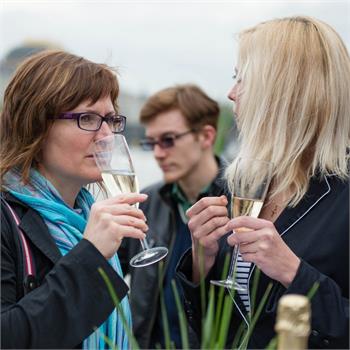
(54, 238)
(292, 105)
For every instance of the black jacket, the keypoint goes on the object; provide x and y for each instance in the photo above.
(317, 230)
(71, 298)
(160, 211)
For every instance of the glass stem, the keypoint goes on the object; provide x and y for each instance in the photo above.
(233, 264)
(144, 244)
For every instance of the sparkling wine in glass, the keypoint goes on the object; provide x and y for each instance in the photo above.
(120, 182)
(113, 158)
(249, 183)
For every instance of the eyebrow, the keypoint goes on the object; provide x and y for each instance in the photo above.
(87, 110)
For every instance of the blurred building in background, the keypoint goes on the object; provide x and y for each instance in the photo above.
(15, 56)
(129, 104)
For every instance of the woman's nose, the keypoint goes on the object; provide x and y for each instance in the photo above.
(232, 94)
(105, 130)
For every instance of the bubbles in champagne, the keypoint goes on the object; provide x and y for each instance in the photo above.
(120, 182)
(246, 207)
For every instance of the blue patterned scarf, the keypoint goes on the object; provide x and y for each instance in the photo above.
(66, 225)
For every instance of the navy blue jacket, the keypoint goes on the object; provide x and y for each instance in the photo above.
(317, 230)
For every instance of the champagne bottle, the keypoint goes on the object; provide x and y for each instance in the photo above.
(293, 322)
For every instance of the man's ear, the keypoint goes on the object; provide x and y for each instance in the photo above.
(208, 136)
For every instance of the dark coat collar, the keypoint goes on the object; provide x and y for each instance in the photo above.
(319, 187)
(35, 229)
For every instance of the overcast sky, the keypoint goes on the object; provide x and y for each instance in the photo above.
(156, 44)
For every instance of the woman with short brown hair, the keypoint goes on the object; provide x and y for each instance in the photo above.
(54, 237)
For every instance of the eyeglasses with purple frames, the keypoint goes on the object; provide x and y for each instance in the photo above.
(90, 121)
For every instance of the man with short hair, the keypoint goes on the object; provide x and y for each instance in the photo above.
(180, 124)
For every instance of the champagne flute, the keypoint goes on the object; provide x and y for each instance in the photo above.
(249, 181)
(113, 158)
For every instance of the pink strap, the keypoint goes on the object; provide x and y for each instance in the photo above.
(27, 253)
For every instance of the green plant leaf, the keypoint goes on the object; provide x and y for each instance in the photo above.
(182, 318)
(202, 279)
(219, 304)
(313, 290)
(133, 342)
(165, 321)
(272, 344)
(256, 316)
(164, 314)
(239, 336)
(108, 341)
(225, 322)
(207, 322)
(256, 278)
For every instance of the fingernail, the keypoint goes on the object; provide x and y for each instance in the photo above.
(188, 212)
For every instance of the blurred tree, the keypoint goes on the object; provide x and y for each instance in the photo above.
(226, 140)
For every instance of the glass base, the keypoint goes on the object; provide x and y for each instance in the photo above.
(229, 284)
(149, 256)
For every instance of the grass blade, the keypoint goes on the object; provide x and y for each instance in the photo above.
(133, 342)
(257, 314)
(219, 304)
(182, 318)
(272, 344)
(254, 289)
(165, 321)
(225, 322)
(202, 279)
(239, 335)
(313, 290)
(108, 341)
(208, 321)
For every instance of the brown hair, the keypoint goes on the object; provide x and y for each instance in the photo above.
(195, 105)
(44, 85)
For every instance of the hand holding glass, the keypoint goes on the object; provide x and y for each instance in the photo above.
(113, 158)
(250, 182)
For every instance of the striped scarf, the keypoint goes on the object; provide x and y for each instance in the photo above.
(66, 225)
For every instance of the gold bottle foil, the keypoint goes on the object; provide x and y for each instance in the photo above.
(293, 322)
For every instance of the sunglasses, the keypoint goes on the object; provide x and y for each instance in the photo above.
(92, 121)
(166, 141)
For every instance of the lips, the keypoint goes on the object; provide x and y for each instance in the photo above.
(90, 157)
(165, 167)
